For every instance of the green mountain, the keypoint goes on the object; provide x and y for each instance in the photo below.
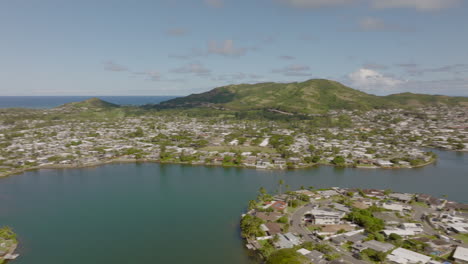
(312, 96)
(92, 103)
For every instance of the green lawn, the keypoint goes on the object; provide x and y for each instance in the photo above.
(462, 237)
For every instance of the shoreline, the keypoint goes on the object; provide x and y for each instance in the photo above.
(123, 161)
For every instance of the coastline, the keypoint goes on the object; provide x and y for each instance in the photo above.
(117, 161)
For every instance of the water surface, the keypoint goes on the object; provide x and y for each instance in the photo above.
(54, 101)
(151, 213)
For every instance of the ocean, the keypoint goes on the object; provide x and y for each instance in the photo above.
(54, 101)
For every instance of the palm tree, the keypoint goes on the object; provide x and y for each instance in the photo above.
(280, 183)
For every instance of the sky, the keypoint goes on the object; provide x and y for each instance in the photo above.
(179, 47)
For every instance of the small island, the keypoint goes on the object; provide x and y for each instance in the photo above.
(346, 225)
(8, 244)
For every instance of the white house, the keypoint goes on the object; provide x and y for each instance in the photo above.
(461, 254)
(404, 256)
(324, 217)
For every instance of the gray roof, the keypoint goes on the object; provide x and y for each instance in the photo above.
(283, 242)
(378, 246)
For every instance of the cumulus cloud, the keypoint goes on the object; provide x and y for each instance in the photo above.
(214, 3)
(112, 66)
(371, 80)
(195, 68)
(225, 48)
(422, 5)
(176, 32)
(294, 70)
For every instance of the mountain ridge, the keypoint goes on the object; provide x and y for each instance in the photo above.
(311, 96)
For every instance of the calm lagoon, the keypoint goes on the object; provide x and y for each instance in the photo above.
(152, 213)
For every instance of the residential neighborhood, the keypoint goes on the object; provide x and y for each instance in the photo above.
(346, 225)
(397, 138)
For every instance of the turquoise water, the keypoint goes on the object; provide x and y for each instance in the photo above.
(151, 213)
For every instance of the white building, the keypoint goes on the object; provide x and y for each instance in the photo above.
(416, 228)
(461, 255)
(324, 217)
(404, 256)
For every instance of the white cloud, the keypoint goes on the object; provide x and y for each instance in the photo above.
(195, 68)
(373, 81)
(177, 32)
(316, 3)
(287, 57)
(214, 3)
(376, 24)
(422, 5)
(112, 66)
(153, 75)
(294, 70)
(225, 48)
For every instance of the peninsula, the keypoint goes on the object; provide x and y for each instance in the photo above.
(8, 244)
(340, 225)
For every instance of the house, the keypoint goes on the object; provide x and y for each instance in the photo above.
(414, 227)
(314, 255)
(374, 193)
(372, 244)
(283, 242)
(340, 207)
(405, 256)
(268, 216)
(461, 254)
(402, 197)
(272, 228)
(396, 207)
(384, 163)
(328, 193)
(294, 239)
(287, 240)
(279, 161)
(399, 231)
(323, 217)
(279, 205)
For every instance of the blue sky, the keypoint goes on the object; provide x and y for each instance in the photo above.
(178, 47)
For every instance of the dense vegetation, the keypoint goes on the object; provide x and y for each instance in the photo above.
(366, 219)
(309, 97)
(286, 256)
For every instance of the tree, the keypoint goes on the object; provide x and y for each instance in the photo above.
(364, 218)
(286, 256)
(252, 204)
(280, 184)
(250, 226)
(262, 192)
(339, 161)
